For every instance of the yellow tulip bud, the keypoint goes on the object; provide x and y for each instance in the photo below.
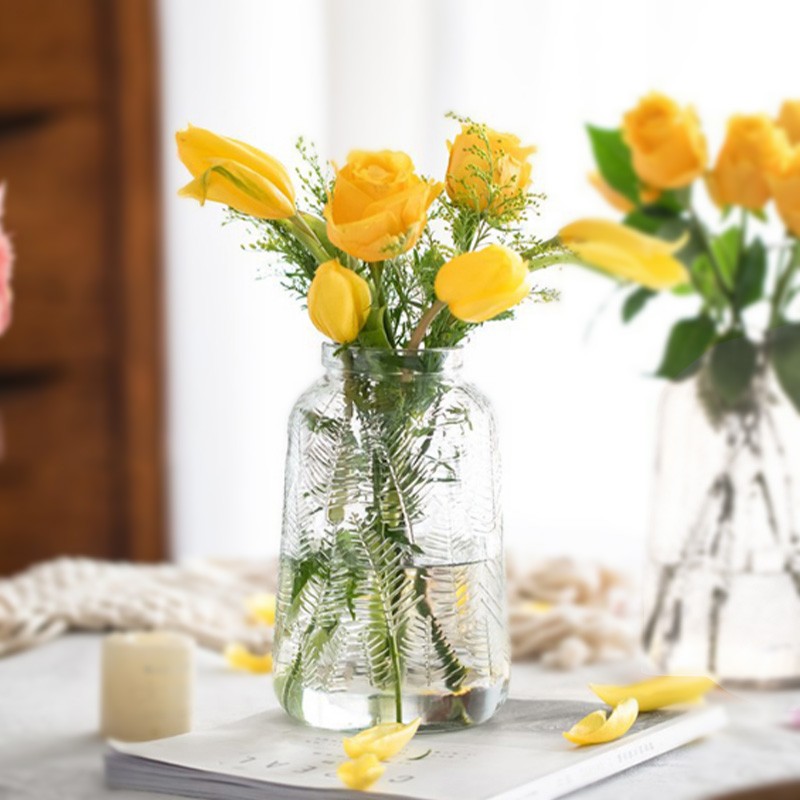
(338, 302)
(625, 253)
(667, 146)
(236, 174)
(789, 120)
(785, 186)
(501, 158)
(480, 285)
(754, 148)
(379, 206)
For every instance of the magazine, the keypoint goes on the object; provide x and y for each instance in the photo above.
(518, 754)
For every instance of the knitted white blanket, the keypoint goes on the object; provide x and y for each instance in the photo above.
(563, 611)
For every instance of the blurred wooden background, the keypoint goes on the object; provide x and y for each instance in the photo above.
(81, 460)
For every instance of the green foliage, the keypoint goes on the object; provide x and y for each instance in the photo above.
(614, 162)
(732, 367)
(784, 351)
(635, 302)
(688, 342)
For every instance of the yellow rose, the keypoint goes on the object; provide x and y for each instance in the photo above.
(625, 253)
(338, 302)
(505, 160)
(789, 120)
(236, 174)
(480, 285)
(785, 186)
(617, 200)
(754, 147)
(667, 146)
(378, 208)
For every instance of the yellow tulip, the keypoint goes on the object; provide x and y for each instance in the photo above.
(503, 159)
(789, 120)
(261, 608)
(480, 285)
(667, 146)
(234, 173)
(338, 302)
(379, 205)
(361, 773)
(596, 729)
(754, 148)
(239, 657)
(785, 187)
(625, 253)
(383, 741)
(655, 693)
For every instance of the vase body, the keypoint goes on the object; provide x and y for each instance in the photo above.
(391, 600)
(724, 583)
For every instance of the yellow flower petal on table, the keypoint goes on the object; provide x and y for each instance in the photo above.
(261, 608)
(596, 729)
(667, 690)
(360, 773)
(239, 657)
(383, 741)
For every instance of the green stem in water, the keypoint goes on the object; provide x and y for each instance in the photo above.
(783, 285)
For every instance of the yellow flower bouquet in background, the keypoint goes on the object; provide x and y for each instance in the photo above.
(391, 598)
(725, 551)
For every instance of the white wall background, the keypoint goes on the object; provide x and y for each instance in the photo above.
(576, 410)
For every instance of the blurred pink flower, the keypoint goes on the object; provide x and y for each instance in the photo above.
(6, 259)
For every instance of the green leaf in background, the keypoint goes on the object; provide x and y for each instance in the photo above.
(688, 342)
(642, 221)
(726, 251)
(732, 366)
(635, 302)
(613, 159)
(373, 334)
(785, 354)
(751, 274)
(706, 282)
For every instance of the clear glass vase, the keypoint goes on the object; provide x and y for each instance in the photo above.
(391, 600)
(724, 584)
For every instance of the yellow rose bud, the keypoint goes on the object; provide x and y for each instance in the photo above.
(379, 205)
(785, 186)
(754, 147)
(625, 253)
(480, 285)
(667, 146)
(338, 301)
(236, 174)
(501, 158)
(789, 120)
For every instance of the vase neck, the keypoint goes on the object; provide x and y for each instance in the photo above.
(376, 362)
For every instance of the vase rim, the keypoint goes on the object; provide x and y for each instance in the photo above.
(391, 361)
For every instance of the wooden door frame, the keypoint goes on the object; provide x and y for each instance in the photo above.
(135, 250)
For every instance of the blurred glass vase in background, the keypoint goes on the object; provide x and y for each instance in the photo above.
(723, 595)
(391, 601)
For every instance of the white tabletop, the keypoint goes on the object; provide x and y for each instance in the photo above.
(50, 748)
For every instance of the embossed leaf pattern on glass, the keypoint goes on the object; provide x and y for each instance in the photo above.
(391, 599)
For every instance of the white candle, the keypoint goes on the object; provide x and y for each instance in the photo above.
(148, 681)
